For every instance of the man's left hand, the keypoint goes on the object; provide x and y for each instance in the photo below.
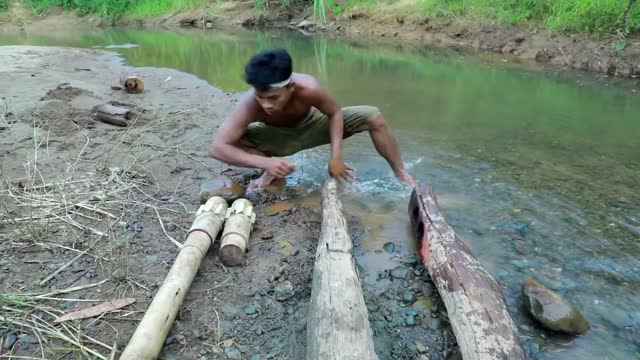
(339, 170)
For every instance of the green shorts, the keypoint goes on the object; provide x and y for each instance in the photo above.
(313, 131)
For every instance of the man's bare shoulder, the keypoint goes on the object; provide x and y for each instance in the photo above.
(306, 82)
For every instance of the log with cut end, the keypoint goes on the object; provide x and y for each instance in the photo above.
(337, 324)
(148, 339)
(477, 311)
(113, 115)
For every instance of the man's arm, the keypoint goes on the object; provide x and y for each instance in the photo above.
(225, 148)
(322, 101)
(225, 145)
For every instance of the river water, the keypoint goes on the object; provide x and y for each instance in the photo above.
(537, 170)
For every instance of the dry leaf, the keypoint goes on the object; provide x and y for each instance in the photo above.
(96, 310)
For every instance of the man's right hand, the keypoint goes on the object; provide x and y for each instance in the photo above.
(279, 167)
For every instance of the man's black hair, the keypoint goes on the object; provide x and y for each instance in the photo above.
(268, 67)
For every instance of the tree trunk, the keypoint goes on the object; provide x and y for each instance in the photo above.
(148, 339)
(476, 308)
(337, 323)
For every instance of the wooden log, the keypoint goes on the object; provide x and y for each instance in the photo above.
(337, 321)
(475, 305)
(132, 84)
(148, 339)
(113, 115)
(235, 237)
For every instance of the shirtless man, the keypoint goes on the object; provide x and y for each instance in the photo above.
(286, 112)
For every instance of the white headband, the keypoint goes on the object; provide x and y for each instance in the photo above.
(281, 84)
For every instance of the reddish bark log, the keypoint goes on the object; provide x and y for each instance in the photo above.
(475, 305)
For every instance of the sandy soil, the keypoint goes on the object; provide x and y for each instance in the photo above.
(79, 191)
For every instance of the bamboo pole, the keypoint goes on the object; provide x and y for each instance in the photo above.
(337, 323)
(148, 339)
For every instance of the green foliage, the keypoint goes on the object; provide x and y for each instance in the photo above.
(4, 5)
(115, 8)
(602, 16)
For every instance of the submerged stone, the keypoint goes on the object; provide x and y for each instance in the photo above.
(222, 186)
(402, 272)
(551, 310)
(389, 247)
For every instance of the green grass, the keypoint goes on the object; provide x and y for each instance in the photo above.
(581, 16)
(589, 16)
(161, 7)
(115, 8)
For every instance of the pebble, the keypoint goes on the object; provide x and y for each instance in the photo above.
(118, 274)
(531, 347)
(389, 247)
(521, 264)
(170, 226)
(233, 353)
(502, 275)
(151, 258)
(422, 349)
(409, 297)
(250, 310)
(402, 272)
(29, 339)
(283, 291)
(410, 320)
(76, 268)
(9, 340)
(255, 357)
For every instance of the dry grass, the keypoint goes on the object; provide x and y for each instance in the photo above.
(82, 212)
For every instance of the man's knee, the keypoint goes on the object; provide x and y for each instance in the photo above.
(376, 121)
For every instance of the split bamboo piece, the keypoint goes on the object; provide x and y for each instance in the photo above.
(235, 237)
(148, 339)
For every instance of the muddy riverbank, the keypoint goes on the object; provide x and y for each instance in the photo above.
(606, 54)
(107, 200)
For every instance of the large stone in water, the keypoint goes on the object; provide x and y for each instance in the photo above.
(402, 273)
(551, 310)
(222, 186)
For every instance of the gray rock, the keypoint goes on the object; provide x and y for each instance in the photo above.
(389, 247)
(422, 349)
(76, 268)
(551, 310)
(29, 339)
(9, 340)
(410, 320)
(250, 310)
(402, 272)
(409, 297)
(283, 291)
(255, 357)
(222, 186)
(233, 353)
(118, 274)
(151, 258)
